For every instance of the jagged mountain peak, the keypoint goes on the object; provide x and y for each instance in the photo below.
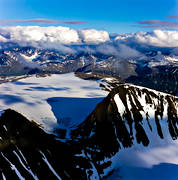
(129, 116)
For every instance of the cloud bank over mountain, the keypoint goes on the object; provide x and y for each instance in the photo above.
(158, 38)
(69, 40)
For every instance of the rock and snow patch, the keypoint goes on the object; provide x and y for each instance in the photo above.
(159, 150)
(30, 58)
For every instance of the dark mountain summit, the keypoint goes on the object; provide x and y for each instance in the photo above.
(129, 115)
(27, 152)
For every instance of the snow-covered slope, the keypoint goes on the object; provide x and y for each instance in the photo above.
(30, 58)
(38, 97)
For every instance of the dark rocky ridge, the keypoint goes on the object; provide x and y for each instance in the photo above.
(105, 132)
(35, 153)
(28, 147)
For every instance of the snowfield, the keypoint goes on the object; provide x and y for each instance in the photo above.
(30, 97)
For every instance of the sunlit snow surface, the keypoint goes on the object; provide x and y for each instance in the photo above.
(30, 97)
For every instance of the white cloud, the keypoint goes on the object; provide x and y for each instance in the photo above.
(107, 49)
(93, 36)
(59, 34)
(123, 36)
(158, 38)
(52, 34)
(119, 50)
(127, 52)
(63, 39)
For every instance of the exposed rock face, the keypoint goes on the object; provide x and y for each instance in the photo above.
(28, 152)
(128, 116)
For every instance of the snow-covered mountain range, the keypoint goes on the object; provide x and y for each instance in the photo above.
(155, 70)
(146, 59)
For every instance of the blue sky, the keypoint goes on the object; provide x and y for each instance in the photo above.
(112, 15)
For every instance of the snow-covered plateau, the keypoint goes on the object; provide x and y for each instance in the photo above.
(41, 99)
